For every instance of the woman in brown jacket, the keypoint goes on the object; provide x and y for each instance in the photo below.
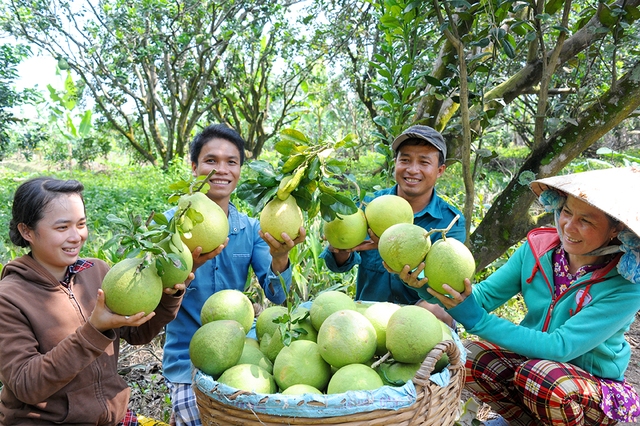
(59, 343)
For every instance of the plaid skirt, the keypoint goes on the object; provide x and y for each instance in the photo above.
(531, 391)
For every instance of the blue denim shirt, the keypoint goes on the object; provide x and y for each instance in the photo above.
(228, 270)
(374, 283)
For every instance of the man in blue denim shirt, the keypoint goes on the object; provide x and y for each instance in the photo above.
(227, 267)
(420, 154)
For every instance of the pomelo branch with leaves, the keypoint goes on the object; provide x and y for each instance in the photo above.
(149, 239)
(308, 171)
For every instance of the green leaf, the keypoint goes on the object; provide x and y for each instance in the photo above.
(553, 6)
(507, 48)
(263, 168)
(295, 136)
(284, 147)
(293, 162)
(267, 181)
(313, 169)
(85, 124)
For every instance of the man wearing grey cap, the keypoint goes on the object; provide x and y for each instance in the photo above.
(420, 153)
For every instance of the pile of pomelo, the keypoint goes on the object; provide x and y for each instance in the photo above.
(340, 344)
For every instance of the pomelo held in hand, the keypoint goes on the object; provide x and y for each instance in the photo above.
(211, 231)
(404, 244)
(449, 262)
(346, 232)
(131, 287)
(228, 304)
(387, 210)
(280, 216)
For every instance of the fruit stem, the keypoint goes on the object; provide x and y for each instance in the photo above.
(197, 188)
(445, 230)
(381, 360)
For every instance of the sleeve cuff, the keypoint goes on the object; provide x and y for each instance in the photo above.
(330, 261)
(273, 290)
(468, 313)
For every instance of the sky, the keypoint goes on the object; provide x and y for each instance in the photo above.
(36, 71)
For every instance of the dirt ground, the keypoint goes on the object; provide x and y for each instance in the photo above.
(142, 368)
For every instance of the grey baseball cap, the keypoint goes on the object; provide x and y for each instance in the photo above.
(426, 133)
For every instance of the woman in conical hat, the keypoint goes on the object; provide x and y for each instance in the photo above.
(564, 363)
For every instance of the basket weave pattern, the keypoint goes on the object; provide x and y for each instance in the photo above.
(434, 406)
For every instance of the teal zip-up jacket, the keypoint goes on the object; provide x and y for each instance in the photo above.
(585, 326)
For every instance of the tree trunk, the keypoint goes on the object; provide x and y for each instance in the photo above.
(509, 219)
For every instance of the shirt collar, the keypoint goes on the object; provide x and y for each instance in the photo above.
(80, 265)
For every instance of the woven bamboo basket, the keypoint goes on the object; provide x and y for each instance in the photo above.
(434, 406)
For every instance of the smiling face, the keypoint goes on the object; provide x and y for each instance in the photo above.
(417, 171)
(224, 157)
(584, 229)
(57, 238)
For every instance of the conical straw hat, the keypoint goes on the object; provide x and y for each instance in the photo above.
(615, 191)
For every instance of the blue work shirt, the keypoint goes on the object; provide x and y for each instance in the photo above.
(228, 270)
(374, 283)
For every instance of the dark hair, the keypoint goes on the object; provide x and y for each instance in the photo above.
(420, 142)
(220, 131)
(31, 199)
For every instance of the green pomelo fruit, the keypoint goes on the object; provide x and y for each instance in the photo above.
(279, 216)
(217, 346)
(346, 337)
(404, 244)
(348, 231)
(275, 345)
(214, 228)
(131, 287)
(387, 210)
(251, 342)
(253, 355)
(265, 324)
(447, 334)
(399, 373)
(327, 303)
(175, 270)
(354, 377)
(301, 363)
(301, 390)
(305, 330)
(264, 343)
(248, 377)
(412, 332)
(228, 304)
(362, 305)
(378, 315)
(448, 262)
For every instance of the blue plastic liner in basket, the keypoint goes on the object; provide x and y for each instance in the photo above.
(316, 406)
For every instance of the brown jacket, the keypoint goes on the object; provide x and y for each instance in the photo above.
(56, 367)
